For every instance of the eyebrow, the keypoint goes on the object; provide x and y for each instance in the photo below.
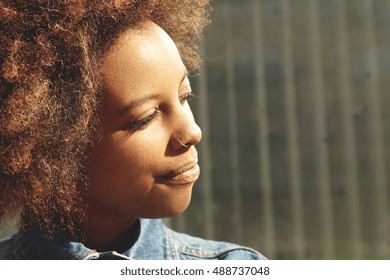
(136, 103)
(145, 99)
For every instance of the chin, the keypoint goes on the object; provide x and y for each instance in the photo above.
(171, 208)
(175, 210)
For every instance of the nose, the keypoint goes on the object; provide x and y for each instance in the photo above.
(186, 133)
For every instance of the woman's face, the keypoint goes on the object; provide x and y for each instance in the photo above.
(146, 163)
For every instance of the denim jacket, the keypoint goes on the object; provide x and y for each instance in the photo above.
(154, 242)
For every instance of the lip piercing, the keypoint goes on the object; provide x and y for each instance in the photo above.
(181, 143)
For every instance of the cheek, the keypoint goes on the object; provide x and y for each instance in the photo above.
(111, 163)
(116, 158)
(117, 175)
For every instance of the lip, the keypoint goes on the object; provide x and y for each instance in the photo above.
(184, 175)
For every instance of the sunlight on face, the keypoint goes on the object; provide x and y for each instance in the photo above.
(146, 163)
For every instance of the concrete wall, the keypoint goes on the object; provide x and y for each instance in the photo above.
(293, 102)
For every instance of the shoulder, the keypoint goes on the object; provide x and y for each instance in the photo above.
(31, 245)
(7, 248)
(190, 248)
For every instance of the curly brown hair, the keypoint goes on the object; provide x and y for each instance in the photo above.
(50, 93)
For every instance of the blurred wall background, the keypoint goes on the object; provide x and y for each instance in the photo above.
(293, 103)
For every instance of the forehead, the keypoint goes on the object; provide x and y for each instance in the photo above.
(141, 61)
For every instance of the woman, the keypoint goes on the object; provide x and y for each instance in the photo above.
(97, 140)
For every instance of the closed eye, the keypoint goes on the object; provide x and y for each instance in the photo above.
(186, 97)
(140, 123)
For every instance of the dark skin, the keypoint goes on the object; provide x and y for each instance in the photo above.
(146, 163)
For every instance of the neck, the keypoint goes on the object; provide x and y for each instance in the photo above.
(110, 232)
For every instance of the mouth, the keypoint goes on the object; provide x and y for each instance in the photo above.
(183, 175)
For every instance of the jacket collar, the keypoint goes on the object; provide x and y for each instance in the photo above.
(152, 243)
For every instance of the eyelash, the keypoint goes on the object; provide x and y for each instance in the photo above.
(137, 124)
(187, 96)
